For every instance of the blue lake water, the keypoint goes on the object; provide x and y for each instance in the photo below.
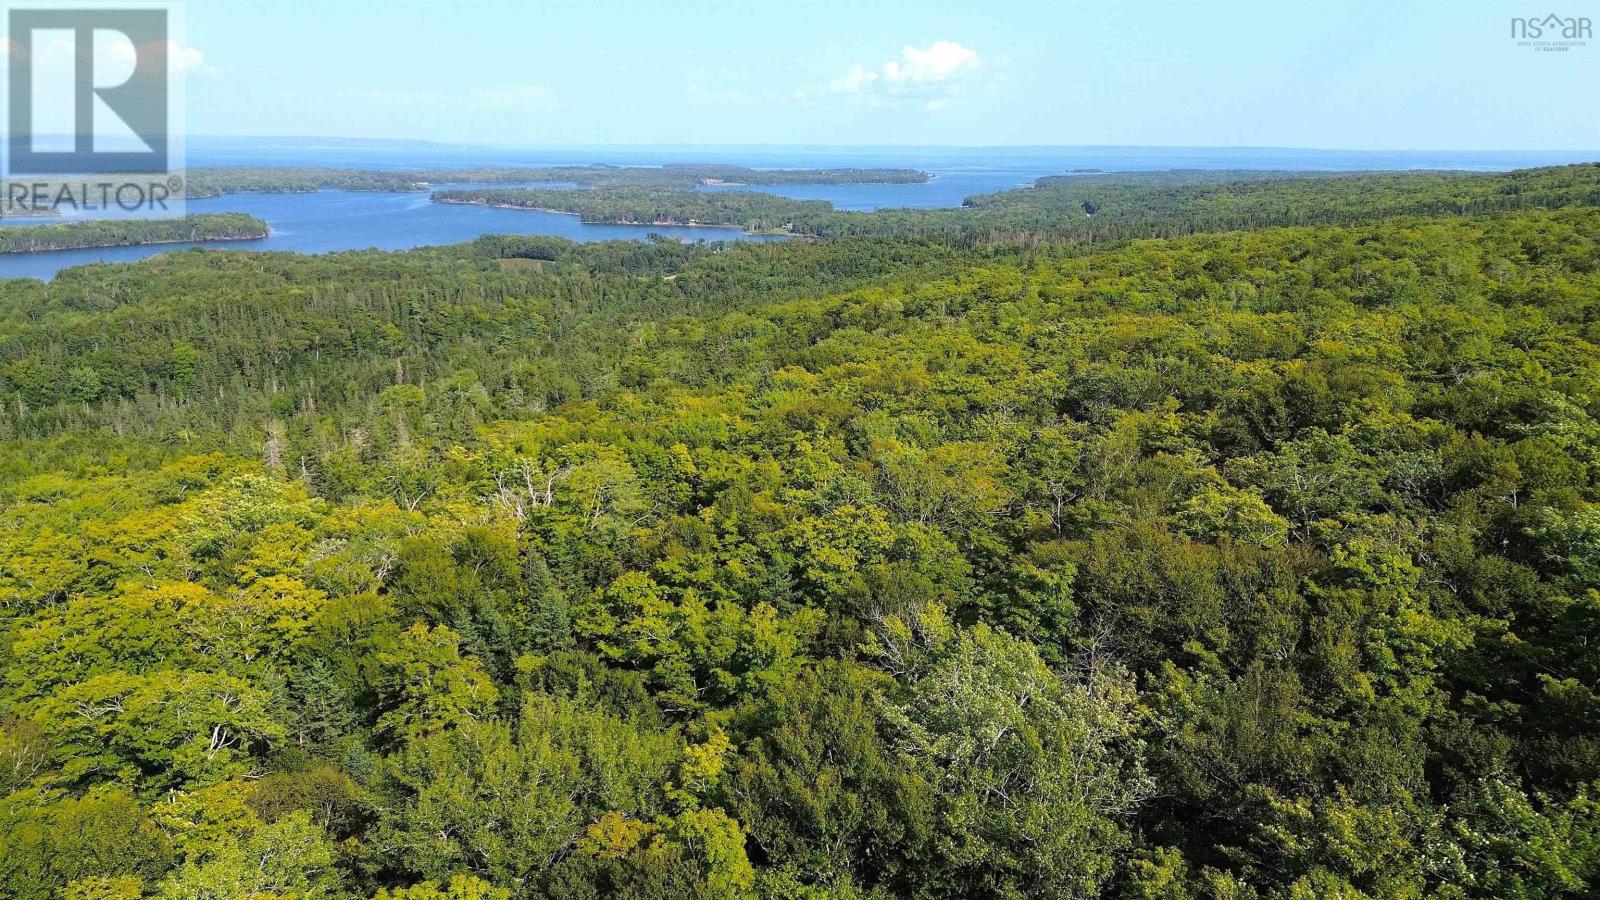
(329, 221)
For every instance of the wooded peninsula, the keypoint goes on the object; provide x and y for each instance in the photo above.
(84, 233)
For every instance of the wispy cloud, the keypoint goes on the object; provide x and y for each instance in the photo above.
(932, 76)
(114, 57)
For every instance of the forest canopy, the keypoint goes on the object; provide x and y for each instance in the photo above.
(975, 559)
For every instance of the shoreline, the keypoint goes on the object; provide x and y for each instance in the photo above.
(209, 240)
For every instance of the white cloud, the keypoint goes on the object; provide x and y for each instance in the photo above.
(942, 60)
(190, 61)
(119, 55)
(853, 81)
(931, 75)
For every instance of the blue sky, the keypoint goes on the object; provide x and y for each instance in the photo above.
(1404, 74)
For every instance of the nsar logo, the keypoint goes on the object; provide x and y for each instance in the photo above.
(1552, 32)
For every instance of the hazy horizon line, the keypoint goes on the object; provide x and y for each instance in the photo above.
(877, 146)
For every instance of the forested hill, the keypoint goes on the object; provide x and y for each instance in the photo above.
(1245, 564)
(1086, 208)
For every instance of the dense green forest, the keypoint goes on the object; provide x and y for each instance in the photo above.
(986, 554)
(213, 181)
(1086, 207)
(122, 232)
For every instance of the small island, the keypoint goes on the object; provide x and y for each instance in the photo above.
(91, 233)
